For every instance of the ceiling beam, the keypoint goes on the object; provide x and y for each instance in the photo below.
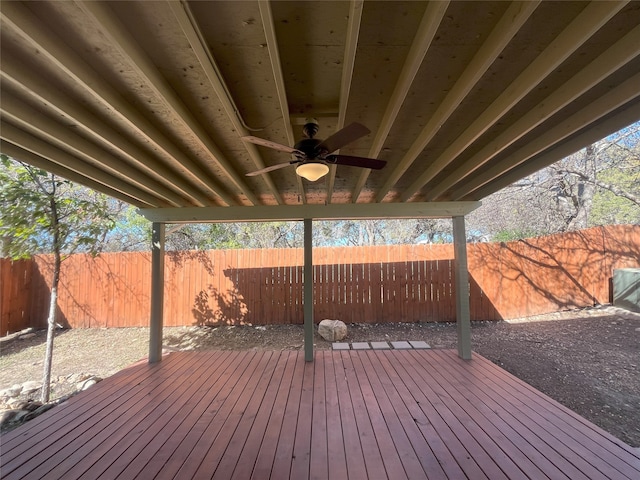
(189, 26)
(32, 159)
(23, 22)
(585, 25)
(138, 60)
(57, 134)
(599, 108)
(508, 25)
(348, 64)
(421, 43)
(39, 90)
(276, 67)
(616, 122)
(44, 155)
(607, 63)
(334, 211)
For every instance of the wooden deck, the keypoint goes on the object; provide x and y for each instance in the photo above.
(354, 414)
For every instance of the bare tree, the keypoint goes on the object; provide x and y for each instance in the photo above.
(597, 185)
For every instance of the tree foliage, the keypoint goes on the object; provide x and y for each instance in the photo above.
(40, 212)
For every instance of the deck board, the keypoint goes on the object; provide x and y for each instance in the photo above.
(461, 443)
(120, 440)
(573, 460)
(383, 434)
(180, 425)
(176, 450)
(351, 414)
(336, 448)
(588, 447)
(511, 436)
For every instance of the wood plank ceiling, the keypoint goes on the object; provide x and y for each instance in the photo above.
(147, 101)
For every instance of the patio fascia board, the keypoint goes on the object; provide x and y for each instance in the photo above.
(345, 211)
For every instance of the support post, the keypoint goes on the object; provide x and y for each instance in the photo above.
(308, 290)
(462, 288)
(157, 292)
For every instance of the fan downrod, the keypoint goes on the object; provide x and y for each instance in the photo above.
(310, 128)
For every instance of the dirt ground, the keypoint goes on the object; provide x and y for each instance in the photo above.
(588, 360)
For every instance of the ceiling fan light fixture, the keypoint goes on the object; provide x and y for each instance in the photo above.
(312, 171)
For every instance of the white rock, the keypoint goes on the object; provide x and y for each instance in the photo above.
(11, 392)
(89, 382)
(14, 403)
(30, 387)
(332, 330)
(77, 377)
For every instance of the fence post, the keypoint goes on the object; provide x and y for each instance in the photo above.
(308, 290)
(157, 292)
(462, 288)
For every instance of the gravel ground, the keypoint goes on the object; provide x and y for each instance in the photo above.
(588, 360)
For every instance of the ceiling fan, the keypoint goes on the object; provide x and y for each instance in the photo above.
(312, 155)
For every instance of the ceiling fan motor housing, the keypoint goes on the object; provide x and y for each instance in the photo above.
(309, 146)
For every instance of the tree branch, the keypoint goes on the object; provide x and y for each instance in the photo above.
(605, 186)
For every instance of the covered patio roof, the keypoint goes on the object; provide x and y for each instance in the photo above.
(148, 101)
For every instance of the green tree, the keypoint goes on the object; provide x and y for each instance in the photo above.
(131, 232)
(40, 212)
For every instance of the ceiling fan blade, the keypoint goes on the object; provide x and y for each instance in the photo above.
(270, 144)
(344, 136)
(363, 162)
(271, 168)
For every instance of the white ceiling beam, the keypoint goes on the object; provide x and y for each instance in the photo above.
(58, 134)
(508, 25)
(139, 61)
(190, 28)
(607, 63)
(583, 27)
(421, 43)
(348, 64)
(40, 91)
(276, 67)
(599, 108)
(41, 37)
(607, 127)
(23, 146)
(39, 162)
(263, 213)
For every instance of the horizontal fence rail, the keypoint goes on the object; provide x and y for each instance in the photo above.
(400, 283)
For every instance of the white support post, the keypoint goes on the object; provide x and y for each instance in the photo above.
(157, 292)
(462, 288)
(308, 290)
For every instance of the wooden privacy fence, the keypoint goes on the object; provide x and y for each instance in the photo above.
(406, 283)
(15, 295)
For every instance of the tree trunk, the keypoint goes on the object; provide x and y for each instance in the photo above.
(53, 301)
(585, 191)
(4, 246)
(51, 328)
